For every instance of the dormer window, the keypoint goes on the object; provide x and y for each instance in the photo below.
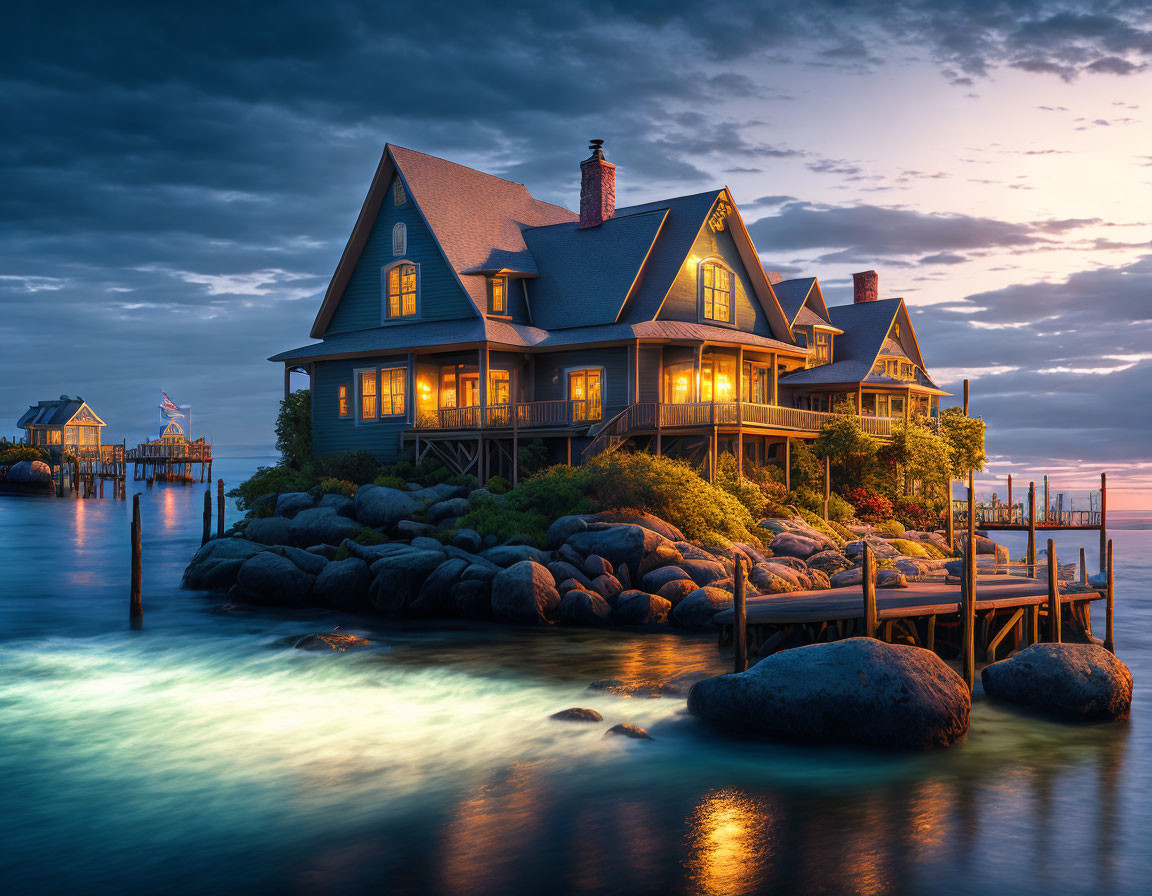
(715, 292)
(401, 290)
(399, 197)
(498, 295)
(400, 240)
(823, 347)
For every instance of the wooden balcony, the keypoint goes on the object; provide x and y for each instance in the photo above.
(526, 415)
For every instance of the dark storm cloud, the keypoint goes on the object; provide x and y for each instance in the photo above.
(177, 179)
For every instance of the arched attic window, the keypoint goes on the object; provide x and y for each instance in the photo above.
(716, 292)
(400, 239)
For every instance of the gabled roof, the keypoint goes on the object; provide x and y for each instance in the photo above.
(791, 294)
(475, 218)
(866, 326)
(58, 412)
(586, 275)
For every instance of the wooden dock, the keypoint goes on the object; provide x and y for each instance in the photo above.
(162, 461)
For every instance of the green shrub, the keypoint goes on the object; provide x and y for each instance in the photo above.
(532, 457)
(807, 498)
(390, 480)
(294, 430)
(338, 487)
(843, 531)
(839, 509)
(13, 453)
(817, 522)
(352, 466)
(891, 528)
(743, 488)
(366, 537)
(498, 485)
(910, 548)
(272, 481)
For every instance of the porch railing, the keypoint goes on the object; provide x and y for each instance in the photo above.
(524, 415)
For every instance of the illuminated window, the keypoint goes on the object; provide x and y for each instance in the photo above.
(584, 394)
(498, 303)
(342, 399)
(393, 388)
(716, 292)
(679, 380)
(823, 347)
(367, 394)
(399, 197)
(399, 239)
(896, 330)
(402, 289)
(53, 437)
(499, 387)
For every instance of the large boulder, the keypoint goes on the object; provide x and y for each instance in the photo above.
(703, 572)
(881, 549)
(322, 525)
(269, 530)
(828, 562)
(472, 598)
(697, 609)
(410, 529)
(563, 527)
(847, 578)
(435, 597)
(215, 566)
(579, 607)
(678, 589)
(607, 586)
(274, 579)
(451, 508)
(29, 472)
(343, 584)
(342, 504)
(639, 518)
(524, 592)
(858, 691)
(792, 544)
(384, 507)
(640, 608)
(291, 503)
(637, 548)
(658, 578)
(467, 540)
(562, 570)
(508, 554)
(1084, 682)
(397, 578)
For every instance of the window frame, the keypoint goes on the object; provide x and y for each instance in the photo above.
(701, 300)
(492, 309)
(584, 369)
(385, 274)
(399, 194)
(343, 408)
(399, 239)
(378, 375)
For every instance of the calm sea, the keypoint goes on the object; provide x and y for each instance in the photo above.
(203, 755)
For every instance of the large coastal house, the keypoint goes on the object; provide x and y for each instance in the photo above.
(64, 421)
(466, 316)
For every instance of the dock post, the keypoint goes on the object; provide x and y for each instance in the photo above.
(1011, 506)
(219, 508)
(1053, 595)
(1083, 570)
(1031, 556)
(951, 520)
(969, 593)
(1104, 542)
(740, 611)
(827, 484)
(1109, 602)
(868, 582)
(965, 398)
(136, 606)
(207, 517)
(1047, 500)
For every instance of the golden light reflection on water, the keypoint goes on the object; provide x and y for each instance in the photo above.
(168, 513)
(731, 843)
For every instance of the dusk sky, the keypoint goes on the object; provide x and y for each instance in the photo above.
(178, 180)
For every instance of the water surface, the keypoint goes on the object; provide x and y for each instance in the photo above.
(203, 754)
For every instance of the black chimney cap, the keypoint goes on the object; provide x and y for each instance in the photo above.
(596, 146)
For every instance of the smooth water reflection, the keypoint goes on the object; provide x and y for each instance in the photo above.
(201, 754)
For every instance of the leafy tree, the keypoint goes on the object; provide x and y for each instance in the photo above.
(852, 451)
(294, 430)
(916, 454)
(965, 438)
(807, 468)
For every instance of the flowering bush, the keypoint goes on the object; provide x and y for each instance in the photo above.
(339, 486)
(915, 515)
(870, 506)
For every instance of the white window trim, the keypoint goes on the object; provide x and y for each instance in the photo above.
(384, 317)
(717, 260)
(378, 373)
(399, 239)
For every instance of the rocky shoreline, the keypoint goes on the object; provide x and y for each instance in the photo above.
(399, 552)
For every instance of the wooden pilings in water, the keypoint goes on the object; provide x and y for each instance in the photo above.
(1053, 595)
(968, 590)
(135, 601)
(1104, 542)
(740, 608)
(868, 584)
(207, 517)
(219, 508)
(1109, 602)
(1031, 556)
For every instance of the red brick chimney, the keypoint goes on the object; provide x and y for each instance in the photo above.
(865, 287)
(597, 187)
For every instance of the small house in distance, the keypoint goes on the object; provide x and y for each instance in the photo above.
(67, 422)
(465, 316)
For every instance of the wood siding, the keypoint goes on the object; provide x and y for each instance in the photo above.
(650, 372)
(551, 383)
(333, 434)
(682, 300)
(441, 297)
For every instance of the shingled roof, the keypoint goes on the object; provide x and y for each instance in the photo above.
(56, 412)
(586, 275)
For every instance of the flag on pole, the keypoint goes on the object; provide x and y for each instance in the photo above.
(168, 407)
